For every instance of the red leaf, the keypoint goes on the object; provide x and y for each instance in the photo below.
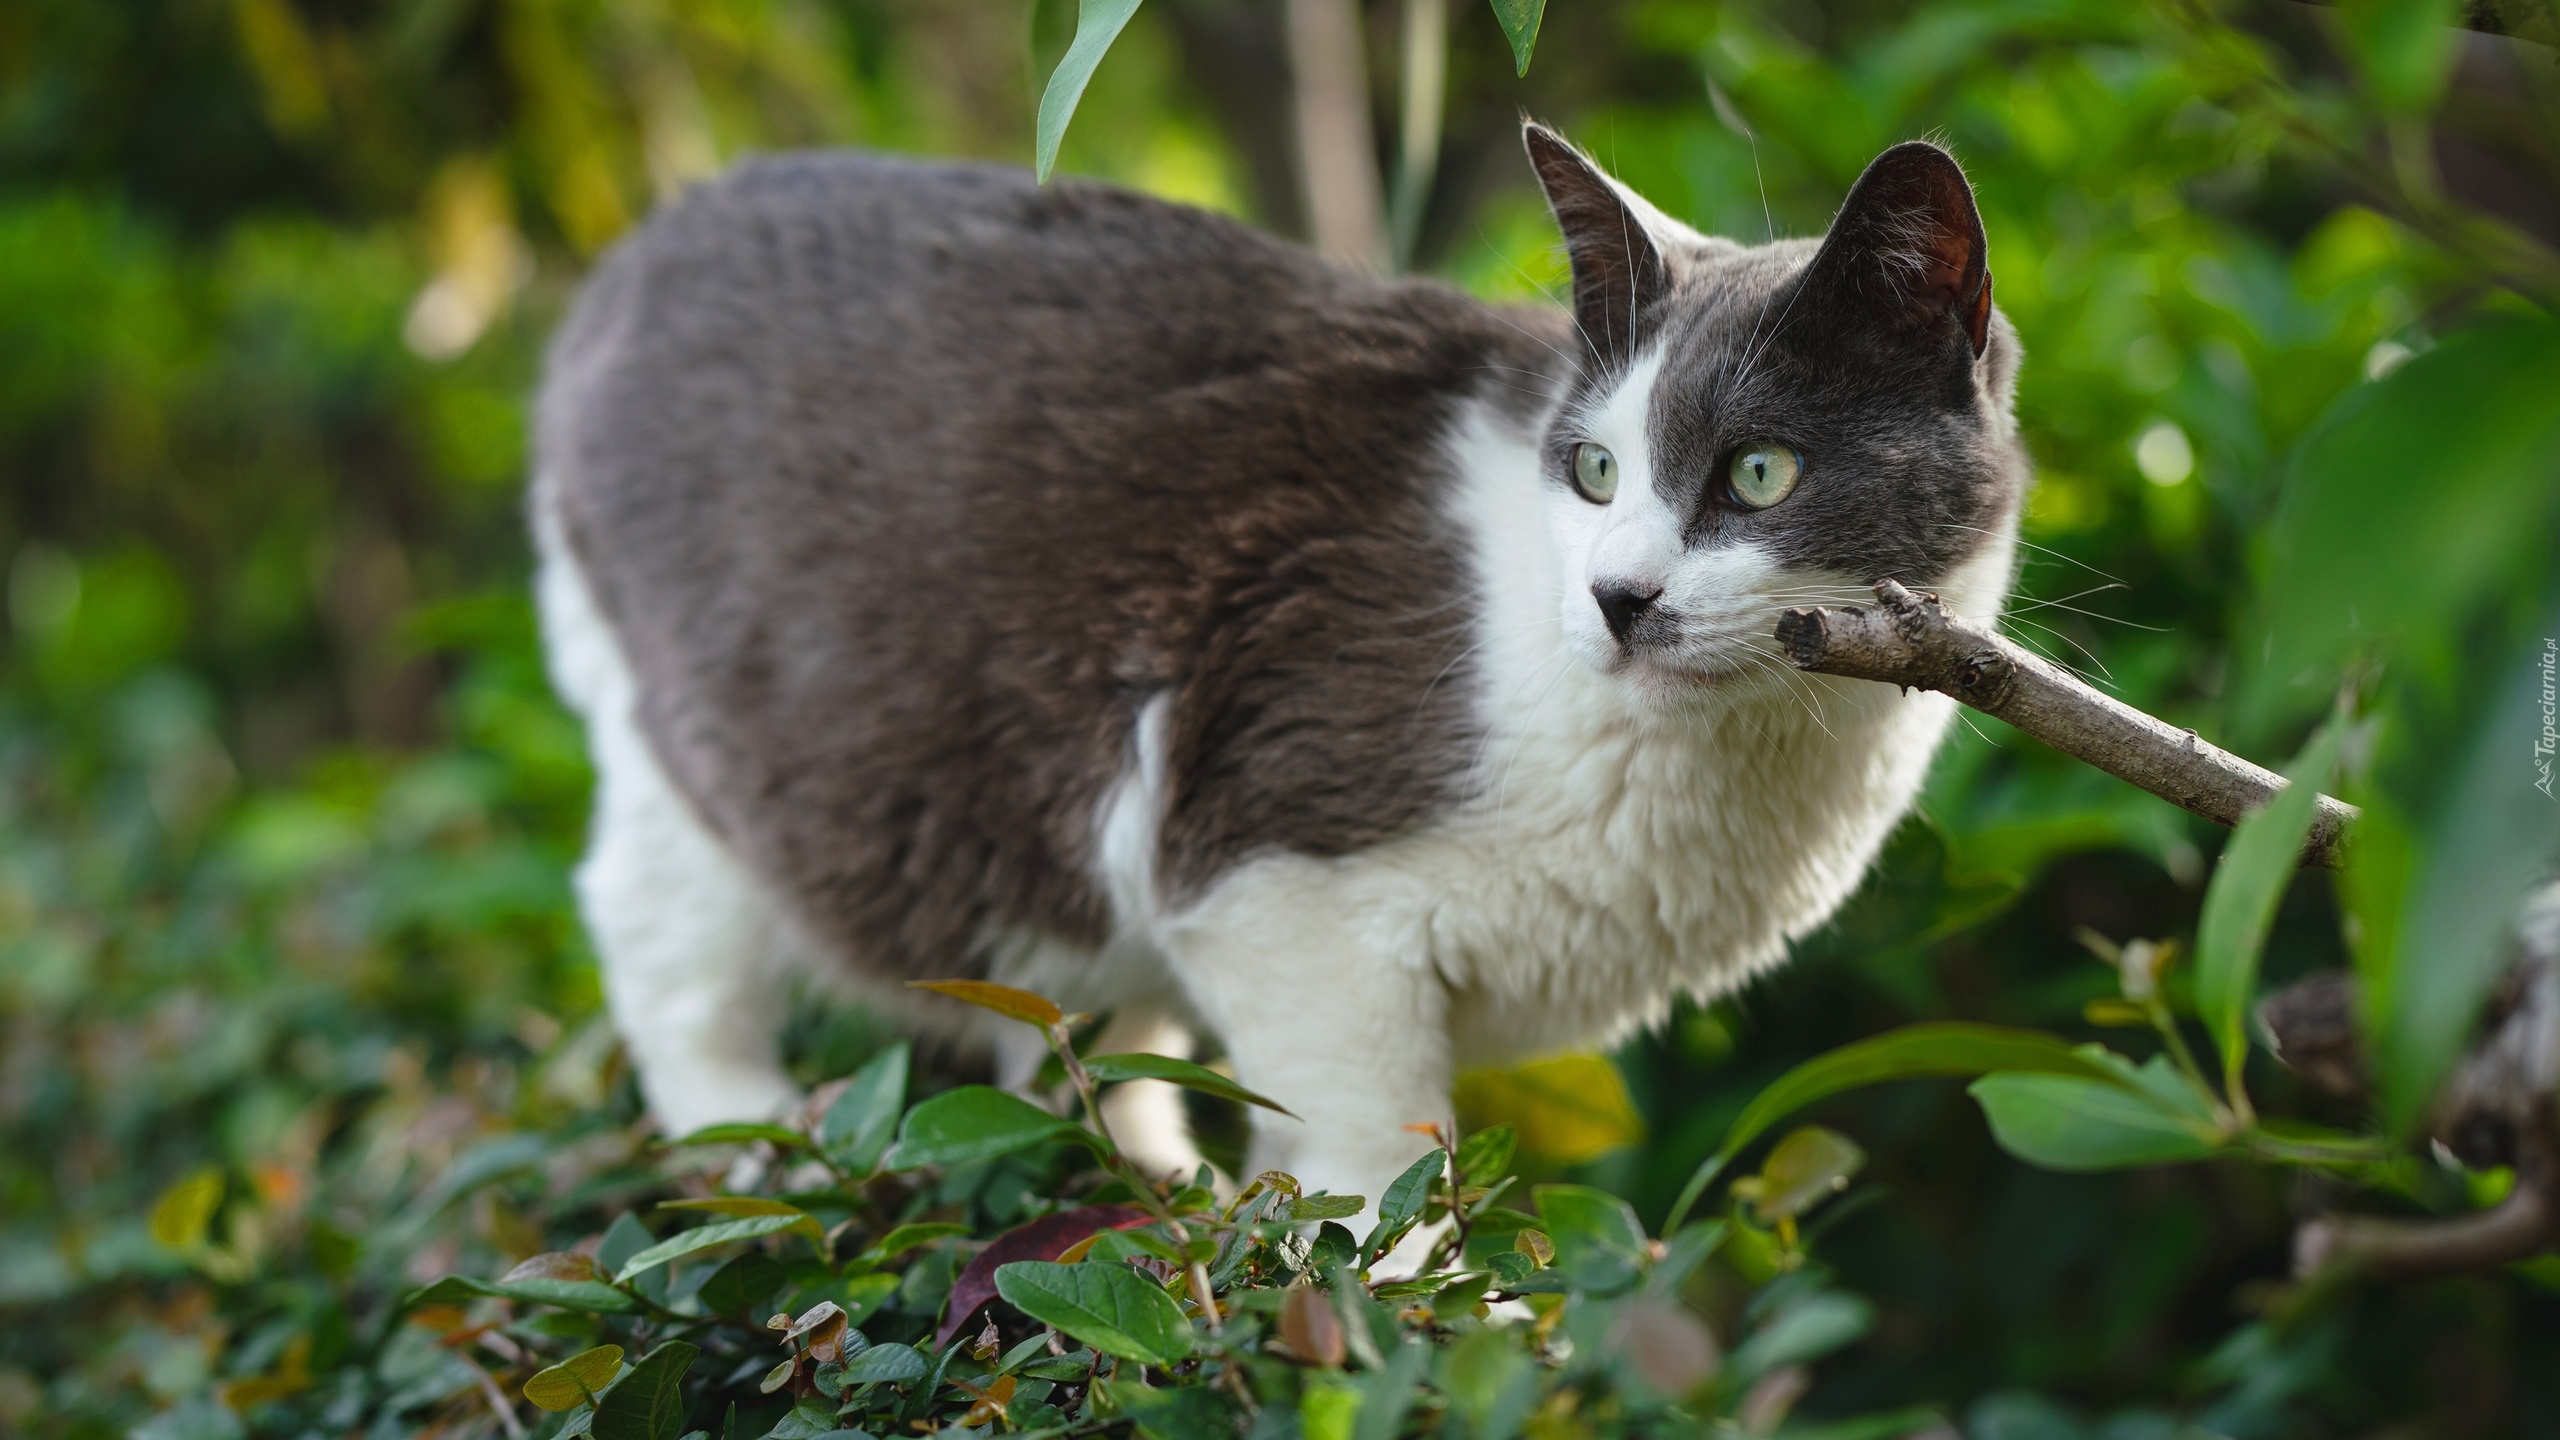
(1046, 1238)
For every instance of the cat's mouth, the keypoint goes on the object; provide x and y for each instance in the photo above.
(1692, 660)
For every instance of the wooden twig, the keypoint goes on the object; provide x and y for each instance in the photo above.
(1910, 640)
(2500, 1108)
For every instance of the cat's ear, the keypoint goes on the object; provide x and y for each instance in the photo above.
(1908, 245)
(1614, 239)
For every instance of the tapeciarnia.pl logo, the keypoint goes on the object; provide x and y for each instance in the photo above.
(2549, 740)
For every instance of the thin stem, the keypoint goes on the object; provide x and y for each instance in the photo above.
(1118, 1164)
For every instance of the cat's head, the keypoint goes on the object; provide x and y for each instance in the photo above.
(1757, 427)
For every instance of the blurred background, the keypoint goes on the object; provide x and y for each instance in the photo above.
(286, 807)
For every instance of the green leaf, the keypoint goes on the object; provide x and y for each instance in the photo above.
(907, 1237)
(184, 1211)
(1519, 20)
(1323, 1207)
(892, 1364)
(1938, 1048)
(2240, 905)
(704, 1237)
(647, 1403)
(2066, 1122)
(589, 1296)
(2360, 559)
(1600, 1244)
(746, 1281)
(973, 1122)
(567, 1385)
(737, 1133)
(864, 1119)
(807, 1420)
(1098, 23)
(1108, 1068)
(2488, 838)
(1807, 1330)
(1403, 1204)
(1107, 1306)
(1806, 1168)
(1485, 1156)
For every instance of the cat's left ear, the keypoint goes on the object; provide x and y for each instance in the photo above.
(1614, 239)
(1908, 243)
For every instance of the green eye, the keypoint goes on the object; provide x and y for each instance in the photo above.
(1595, 472)
(1763, 473)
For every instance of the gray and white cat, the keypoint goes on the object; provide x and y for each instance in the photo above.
(965, 577)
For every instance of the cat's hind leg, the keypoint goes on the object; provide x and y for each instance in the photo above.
(689, 943)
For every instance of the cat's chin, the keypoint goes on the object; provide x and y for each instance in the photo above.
(1675, 681)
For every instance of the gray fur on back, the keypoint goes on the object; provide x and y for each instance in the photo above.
(903, 486)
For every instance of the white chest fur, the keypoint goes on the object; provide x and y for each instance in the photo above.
(1619, 851)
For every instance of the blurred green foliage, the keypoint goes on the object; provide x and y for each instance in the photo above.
(293, 1012)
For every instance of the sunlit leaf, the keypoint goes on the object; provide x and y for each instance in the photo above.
(1802, 1170)
(567, 1385)
(184, 1211)
(1005, 1000)
(1566, 1110)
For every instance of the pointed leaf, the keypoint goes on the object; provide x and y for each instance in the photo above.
(1485, 1156)
(2240, 905)
(2065, 1122)
(1940, 1048)
(1108, 1068)
(705, 1237)
(1407, 1196)
(1519, 20)
(864, 1119)
(593, 1297)
(737, 1133)
(647, 1403)
(1005, 1000)
(973, 1122)
(1599, 1242)
(1098, 23)
(1107, 1306)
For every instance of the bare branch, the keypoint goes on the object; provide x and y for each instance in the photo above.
(1910, 640)
(2498, 1109)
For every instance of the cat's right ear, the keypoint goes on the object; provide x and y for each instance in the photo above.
(1618, 267)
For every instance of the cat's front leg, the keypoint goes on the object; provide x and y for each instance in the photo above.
(1327, 1007)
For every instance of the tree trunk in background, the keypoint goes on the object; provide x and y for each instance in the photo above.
(1337, 156)
(1424, 99)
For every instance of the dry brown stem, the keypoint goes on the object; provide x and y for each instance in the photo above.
(1910, 640)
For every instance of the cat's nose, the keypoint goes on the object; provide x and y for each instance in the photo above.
(1622, 604)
